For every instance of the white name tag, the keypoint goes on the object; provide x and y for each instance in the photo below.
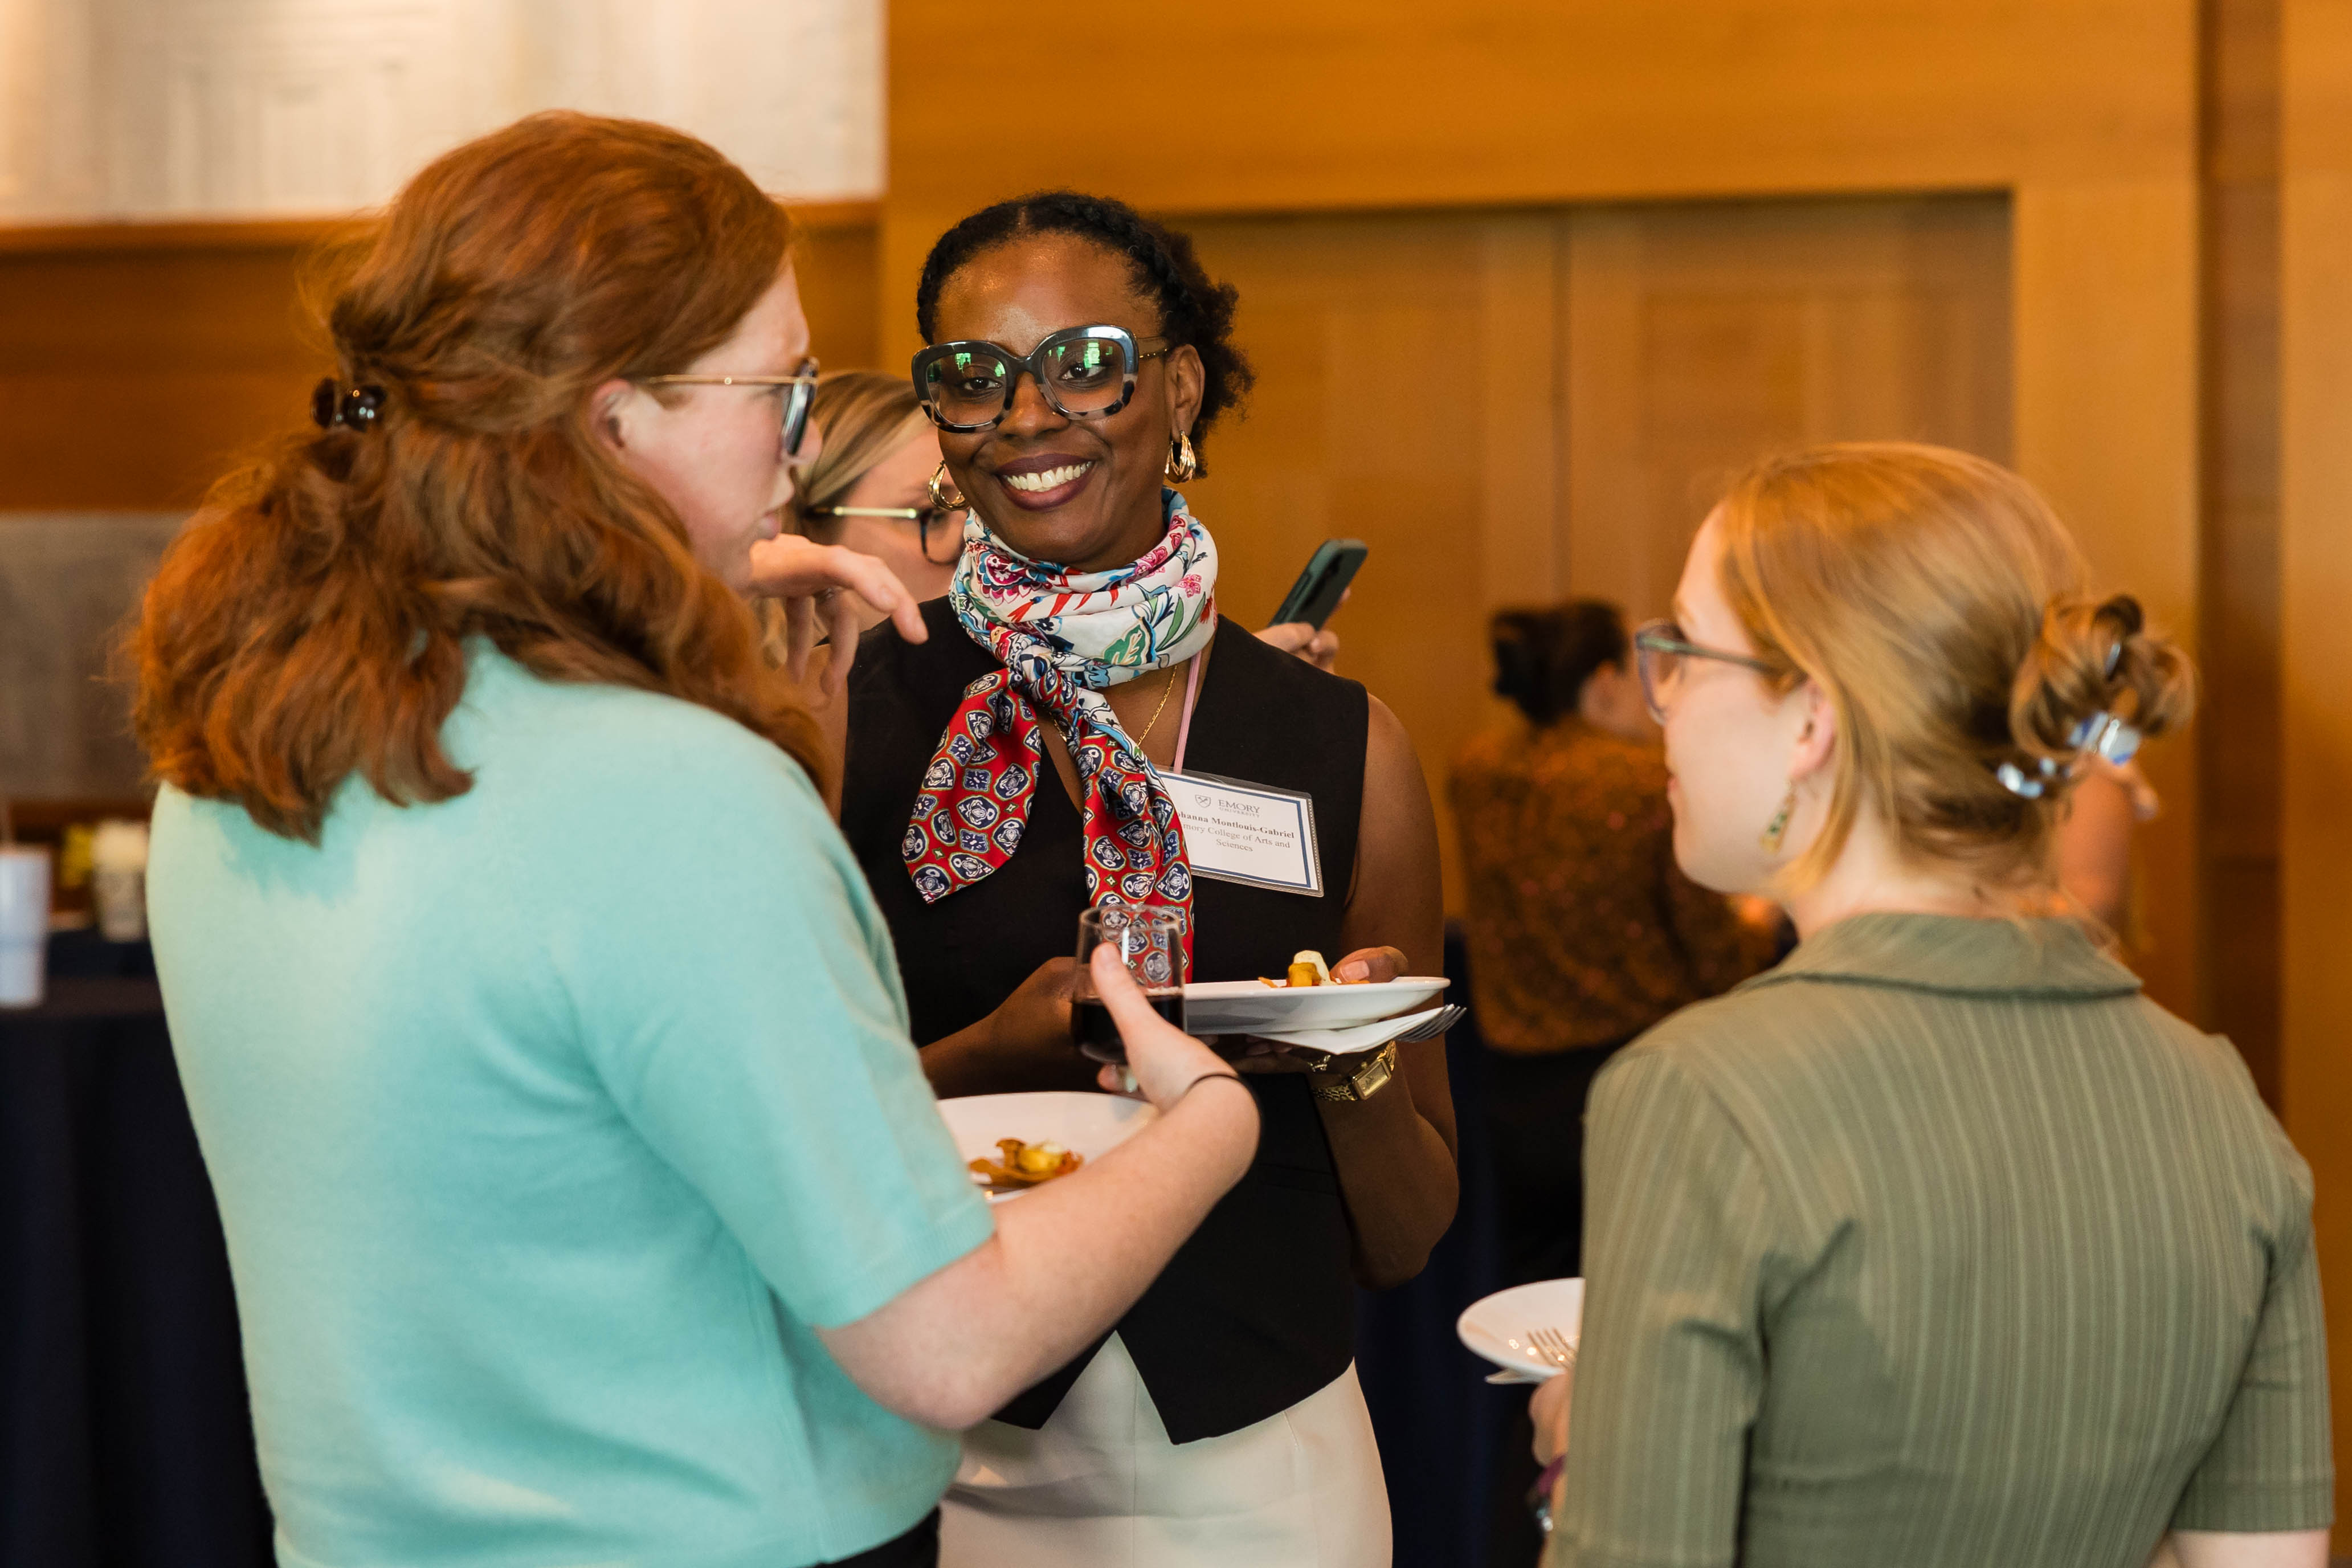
(1247, 833)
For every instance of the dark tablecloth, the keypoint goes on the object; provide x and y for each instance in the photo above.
(125, 1437)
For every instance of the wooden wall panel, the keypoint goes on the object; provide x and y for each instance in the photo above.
(1331, 104)
(2106, 313)
(1375, 344)
(1422, 379)
(1700, 337)
(2241, 752)
(136, 360)
(2316, 547)
(130, 377)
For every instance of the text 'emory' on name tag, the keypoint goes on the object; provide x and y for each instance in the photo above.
(1247, 833)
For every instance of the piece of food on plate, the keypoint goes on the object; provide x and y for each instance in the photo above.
(1307, 969)
(1020, 1165)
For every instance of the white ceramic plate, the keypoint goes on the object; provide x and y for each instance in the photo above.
(1496, 1326)
(1092, 1124)
(1246, 1007)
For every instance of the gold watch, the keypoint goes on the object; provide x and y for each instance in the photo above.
(1365, 1081)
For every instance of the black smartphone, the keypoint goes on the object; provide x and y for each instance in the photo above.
(1316, 592)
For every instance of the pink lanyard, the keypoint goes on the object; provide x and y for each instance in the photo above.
(1192, 695)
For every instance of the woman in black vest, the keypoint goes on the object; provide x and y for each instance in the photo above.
(996, 784)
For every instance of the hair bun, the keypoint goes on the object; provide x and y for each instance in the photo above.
(2093, 678)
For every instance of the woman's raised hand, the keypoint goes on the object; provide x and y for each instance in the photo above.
(815, 581)
(1164, 1060)
(1320, 649)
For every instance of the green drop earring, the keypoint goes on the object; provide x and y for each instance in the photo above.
(1777, 829)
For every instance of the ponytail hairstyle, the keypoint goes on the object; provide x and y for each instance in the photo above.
(1937, 603)
(1544, 657)
(1192, 308)
(310, 623)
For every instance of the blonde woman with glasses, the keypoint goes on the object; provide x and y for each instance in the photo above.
(1939, 1244)
(869, 489)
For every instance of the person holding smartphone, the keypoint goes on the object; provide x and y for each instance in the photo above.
(1008, 772)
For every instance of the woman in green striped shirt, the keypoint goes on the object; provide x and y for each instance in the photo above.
(1939, 1244)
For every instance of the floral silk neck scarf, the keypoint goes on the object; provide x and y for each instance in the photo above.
(1063, 636)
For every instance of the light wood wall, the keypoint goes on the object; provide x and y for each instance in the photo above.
(137, 360)
(2240, 744)
(2315, 539)
(1510, 407)
(1698, 337)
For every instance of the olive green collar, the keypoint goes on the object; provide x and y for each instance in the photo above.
(1956, 956)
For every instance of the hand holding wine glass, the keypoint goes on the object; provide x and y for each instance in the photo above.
(1164, 1060)
(1148, 943)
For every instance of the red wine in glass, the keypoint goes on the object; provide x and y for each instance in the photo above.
(1092, 1027)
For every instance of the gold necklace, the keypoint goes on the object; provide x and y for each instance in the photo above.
(1166, 690)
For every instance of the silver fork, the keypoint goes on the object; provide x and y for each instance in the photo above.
(1553, 1346)
(1446, 1018)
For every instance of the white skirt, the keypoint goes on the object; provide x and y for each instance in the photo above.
(1100, 1486)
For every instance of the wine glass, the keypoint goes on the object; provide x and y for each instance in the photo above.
(1152, 942)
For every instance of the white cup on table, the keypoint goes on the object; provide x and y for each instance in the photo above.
(118, 880)
(24, 923)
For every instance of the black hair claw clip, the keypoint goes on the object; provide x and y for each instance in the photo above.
(356, 409)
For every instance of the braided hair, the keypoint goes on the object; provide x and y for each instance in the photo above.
(1193, 309)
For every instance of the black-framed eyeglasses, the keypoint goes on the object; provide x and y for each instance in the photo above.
(803, 392)
(943, 523)
(1659, 649)
(1086, 373)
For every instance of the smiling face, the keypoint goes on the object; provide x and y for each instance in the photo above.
(715, 453)
(1083, 492)
(1732, 743)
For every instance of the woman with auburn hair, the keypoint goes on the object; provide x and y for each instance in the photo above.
(1939, 1244)
(584, 1195)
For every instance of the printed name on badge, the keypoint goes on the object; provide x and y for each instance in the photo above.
(1247, 833)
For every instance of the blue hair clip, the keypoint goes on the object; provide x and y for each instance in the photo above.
(2031, 786)
(2105, 735)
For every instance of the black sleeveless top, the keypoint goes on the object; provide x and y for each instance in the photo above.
(1256, 1311)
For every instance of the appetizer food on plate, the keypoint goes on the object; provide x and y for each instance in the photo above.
(1307, 969)
(1020, 1165)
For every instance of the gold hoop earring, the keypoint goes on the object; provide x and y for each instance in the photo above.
(1182, 464)
(944, 495)
(1777, 829)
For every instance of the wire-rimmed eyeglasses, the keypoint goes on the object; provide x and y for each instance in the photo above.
(945, 523)
(1086, 373)
(803, 383)
(1659, 649)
